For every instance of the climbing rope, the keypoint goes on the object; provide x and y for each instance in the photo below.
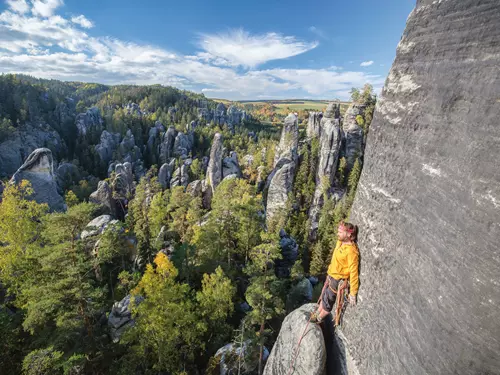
(341, 305)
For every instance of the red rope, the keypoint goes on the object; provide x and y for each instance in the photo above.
(291, 369)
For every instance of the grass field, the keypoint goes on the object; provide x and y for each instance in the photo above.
(289, 105)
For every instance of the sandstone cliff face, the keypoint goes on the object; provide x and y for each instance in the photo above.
(428, 202)
(38, 169)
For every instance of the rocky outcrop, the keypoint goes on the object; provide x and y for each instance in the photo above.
(103, 196)
(330, 144)
(123, 183)
(428, 202)
(280, 187)
(67, 175)
(165, 173)
(289, 254)
(195, 188)
(106, 147)
(120, 317)
(182, 145)
(232, 357)
(128, 151)
(230, 166)
(235, 116)
(289, 141)
(214, 170)
(97, 226)
(311, 360)
(38, 169)
(353, 134)
(220, 114)
(180, 176)
(27, 138)
(313, 124)
(89, 122)
(167, 145)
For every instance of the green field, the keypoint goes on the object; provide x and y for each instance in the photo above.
(285, 106)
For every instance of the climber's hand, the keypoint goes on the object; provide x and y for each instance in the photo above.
(352, 300)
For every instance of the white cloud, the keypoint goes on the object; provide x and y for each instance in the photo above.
(318, 32)
(82, 21)
(238, 47)
(45, 8)
(18, 6)
(367, 63)
(50, 46)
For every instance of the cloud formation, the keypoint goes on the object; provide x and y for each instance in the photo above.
(35, 40)
(238, 47)
(367, 63)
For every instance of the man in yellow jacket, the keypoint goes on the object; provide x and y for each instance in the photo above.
(344, 266)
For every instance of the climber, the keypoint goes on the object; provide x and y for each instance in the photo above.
(343, 267)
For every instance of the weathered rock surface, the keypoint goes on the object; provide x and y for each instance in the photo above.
(97, 226)
(235, 116)
(180, 176)
(229, 356)
(220, 114)
(313, 124)
(38, 169)
(129, 152)
(104, 196)
(428, 202)
(230, 166)
(214, 170)
(120, 317)
(19, 145)
(167, 145)
(289, 141)
(106, 147)
(280, 186)
(311, 359)
(123, 183)
(182, 145)
(90, 121)
(166, 172)
(330, 143)
(67, 175)
(195, 188)
(353, 134)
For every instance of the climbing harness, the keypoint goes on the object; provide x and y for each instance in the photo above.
(341, 302)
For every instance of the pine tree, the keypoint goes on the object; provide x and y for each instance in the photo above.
(263, 292)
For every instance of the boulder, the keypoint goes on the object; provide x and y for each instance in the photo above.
(165, 173)
(104, 196)
(120, 317)
(38, 169)
(311, 359)
(97, 226)
(289, 141)
(214, 170)
(428, 201)
(230, 166)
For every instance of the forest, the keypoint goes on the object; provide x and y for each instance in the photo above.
(170, 280)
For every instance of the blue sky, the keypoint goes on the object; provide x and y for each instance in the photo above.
(227, 49)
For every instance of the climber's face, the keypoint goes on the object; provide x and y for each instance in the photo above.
(342, 234)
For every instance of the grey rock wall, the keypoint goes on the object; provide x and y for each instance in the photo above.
(428, 202)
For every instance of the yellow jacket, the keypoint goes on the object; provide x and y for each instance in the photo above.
(345, 263)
